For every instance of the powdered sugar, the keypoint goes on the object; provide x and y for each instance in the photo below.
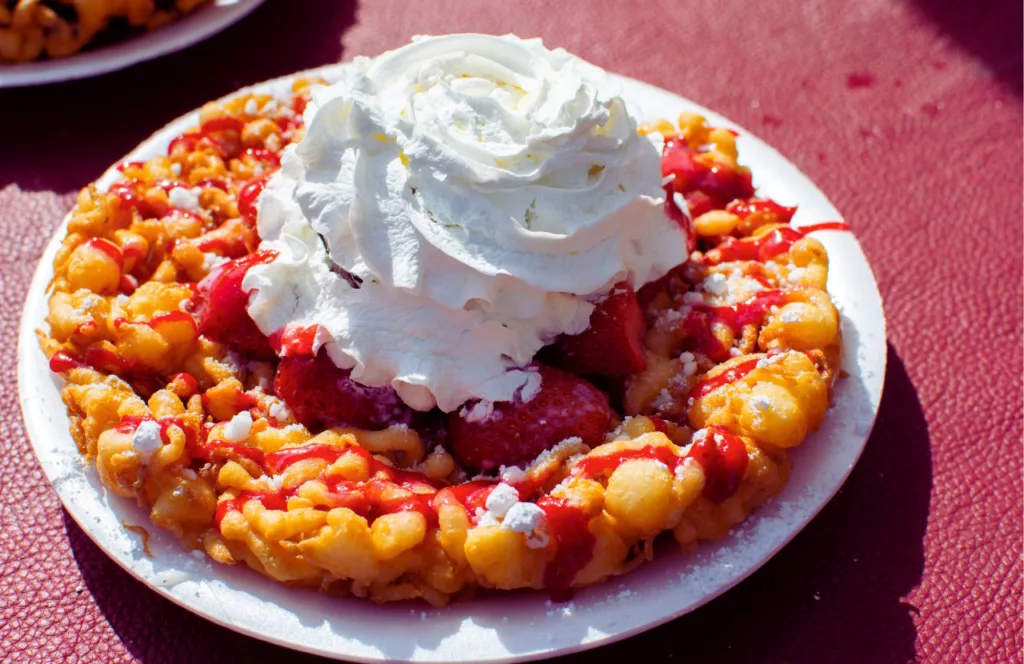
(663, 401)
(147, 439)
(184, 199)
(796, 275)
(212, 261)
(271, 483)
(278, 409)
(790, 316)
(670, 317)
(237, 430)
(501, 499)
(526, 518)
(771, 359)
(87, 303)
(716, 284)
(692, 298)
(688, 464)
(511, 474)
(558, 451)
(689, 364)
(485, 518)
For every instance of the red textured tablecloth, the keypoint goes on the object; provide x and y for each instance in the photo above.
(907, 113)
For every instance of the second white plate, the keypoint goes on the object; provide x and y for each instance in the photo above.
(175, 36)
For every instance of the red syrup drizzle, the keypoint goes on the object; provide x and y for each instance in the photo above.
(129, 424)
(171, 317)
(216, 183)
(371, 499)
(109, 248)
(104, 359)
(272, 501)
(263, 154)
(130, 198)
(730, 375)
(63, 361)
(184, 385)
(99, 358)
(704, 186)
(699, 324)
(189, 139)
(160, 320)
(721, 454)
(471, 495)
(746, 208)
(575, 545)
(767, 246)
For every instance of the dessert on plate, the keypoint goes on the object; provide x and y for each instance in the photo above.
(34, 29)
(455, 320)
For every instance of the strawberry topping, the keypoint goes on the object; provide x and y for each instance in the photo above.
(248, 200)
(516, 431)
(320, 394)
(613, 345)
(724, 459)
(719, 183)
(219, 306)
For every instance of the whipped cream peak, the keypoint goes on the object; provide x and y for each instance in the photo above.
(454, 205)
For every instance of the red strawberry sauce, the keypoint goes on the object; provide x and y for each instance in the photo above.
(778, 241)
(698, 324)
(722, 455)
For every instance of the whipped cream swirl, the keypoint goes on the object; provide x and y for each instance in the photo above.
(453, 206)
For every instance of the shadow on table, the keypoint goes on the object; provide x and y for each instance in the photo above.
(63, 136)
(990, 31)
(841, 583)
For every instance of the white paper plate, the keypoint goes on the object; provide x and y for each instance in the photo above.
(512, 627)
(175, 36)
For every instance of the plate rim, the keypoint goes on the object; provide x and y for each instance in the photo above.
(178, 35)
(36, 428)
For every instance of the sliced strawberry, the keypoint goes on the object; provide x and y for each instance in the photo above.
(613, 345)
(320, 394)
(517, 431)
(219, 306)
